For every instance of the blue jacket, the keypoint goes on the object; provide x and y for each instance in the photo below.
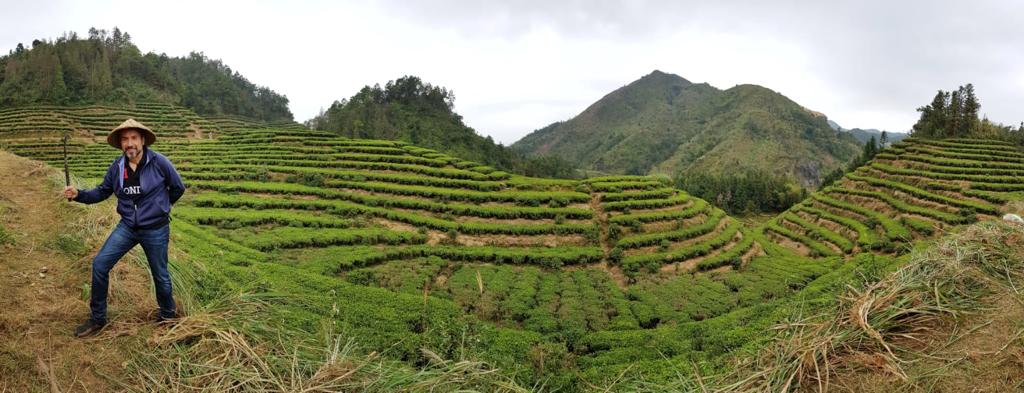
(161, 187)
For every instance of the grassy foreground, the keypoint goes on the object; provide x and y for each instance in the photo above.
(890, 313)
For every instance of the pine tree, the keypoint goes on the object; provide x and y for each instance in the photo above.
(955, 115)
(951, 114)
(870, 149)
(933, 119)
(970, 110)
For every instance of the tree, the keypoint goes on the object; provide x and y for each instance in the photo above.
(870, 149)
(950, 115)
(933, 117)
(417, 112)
(970, 108)
(107, 68)
(743, 192)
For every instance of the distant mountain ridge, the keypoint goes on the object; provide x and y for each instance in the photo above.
(863, 135)
(665, 124)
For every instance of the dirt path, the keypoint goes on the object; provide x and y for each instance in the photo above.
(45, 274)
(602, 222)
(601, 217)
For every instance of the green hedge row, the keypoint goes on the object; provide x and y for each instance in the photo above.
(633, 264)
(817, 232)
(650, 239)
(732, 256)
(646, 203)
(928, 196)
(818, 249)
(498, 212)
(965, 216)
(236, 218)
(697, 207)
(893, 230)
(866, 237)
(660, 193)
(518, 197)
(289, 237)
(551, 257)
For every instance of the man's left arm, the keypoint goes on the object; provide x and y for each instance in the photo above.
(175, 187)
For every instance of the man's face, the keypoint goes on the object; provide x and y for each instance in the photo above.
(131, 143)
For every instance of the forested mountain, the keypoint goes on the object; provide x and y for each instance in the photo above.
(863, 136)
(107, 68)
(411, 110)
(664, 124)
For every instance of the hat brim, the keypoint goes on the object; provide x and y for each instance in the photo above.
(114, 138)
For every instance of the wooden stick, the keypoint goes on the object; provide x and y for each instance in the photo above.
(67, 175)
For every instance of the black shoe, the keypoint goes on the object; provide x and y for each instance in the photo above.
(89, 328)
(166, 320)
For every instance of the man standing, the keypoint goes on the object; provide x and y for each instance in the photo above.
(146, 185)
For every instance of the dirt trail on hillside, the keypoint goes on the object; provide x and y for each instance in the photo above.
(601, 217)
(45, 276)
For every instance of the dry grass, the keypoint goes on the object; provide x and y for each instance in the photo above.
(45, 285)
(220, 349)
(948, 320)
(881, 327)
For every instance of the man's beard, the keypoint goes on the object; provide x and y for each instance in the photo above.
(131, 152)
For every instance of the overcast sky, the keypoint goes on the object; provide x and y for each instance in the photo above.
(516, 66)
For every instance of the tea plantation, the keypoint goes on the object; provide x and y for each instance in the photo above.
(912, 190)
(562, 283)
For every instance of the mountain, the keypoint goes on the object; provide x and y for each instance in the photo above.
(411, 110)
(864, 135)
(107, 68)
(665, 124)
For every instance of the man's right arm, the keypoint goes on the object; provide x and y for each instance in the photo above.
(102, 191)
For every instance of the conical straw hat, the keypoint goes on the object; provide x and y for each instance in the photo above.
(114, 137)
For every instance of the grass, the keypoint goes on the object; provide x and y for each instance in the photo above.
(5, 237)
(522, 288)
(70, 244)
(947, 280)
(226, 346)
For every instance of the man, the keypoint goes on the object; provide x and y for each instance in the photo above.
(146, 185)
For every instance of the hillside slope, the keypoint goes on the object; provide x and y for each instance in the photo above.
(46, 245)
(107, 68)
(664, 124)
(93, 122)
(616, 282)
(410, 110)
(382, 223)
(915, 189)
(944, 318)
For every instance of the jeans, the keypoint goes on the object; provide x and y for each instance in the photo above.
(122, 239)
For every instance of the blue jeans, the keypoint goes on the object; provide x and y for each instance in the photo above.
(122, 239)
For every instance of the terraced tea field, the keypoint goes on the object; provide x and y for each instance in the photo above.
(912, 190)
(562, 282)
(95, 121)
(535, 260)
